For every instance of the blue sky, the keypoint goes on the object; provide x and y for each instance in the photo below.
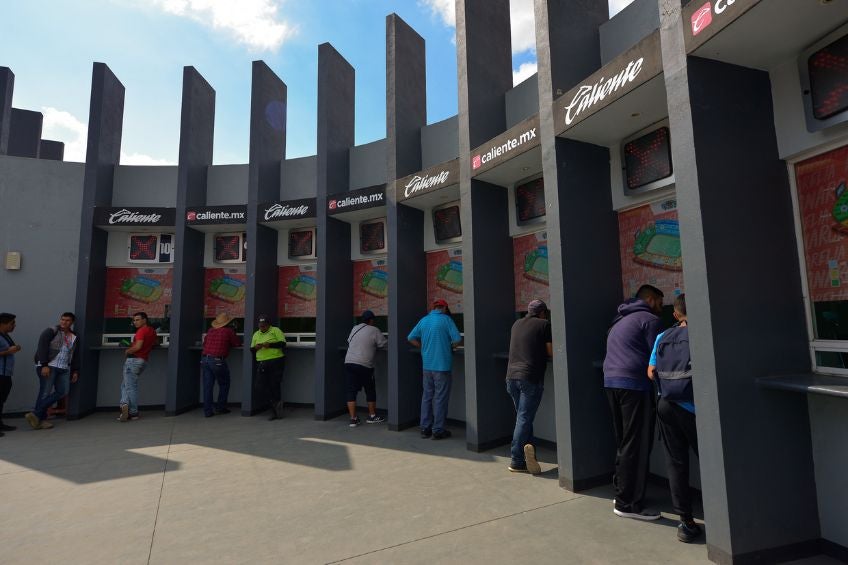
(146, 43)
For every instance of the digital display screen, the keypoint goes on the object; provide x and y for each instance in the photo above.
(228, 248)
(828, 68)
(530, 200)
(648, 158)
(144, 248)
(446, 224)
(372, 237)
(301, 243)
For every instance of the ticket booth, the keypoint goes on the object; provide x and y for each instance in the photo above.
(365, 211)
(138, 278)
(297, 279)
(225, 284)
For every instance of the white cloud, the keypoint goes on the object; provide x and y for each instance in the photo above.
(255, 23)
(525, 71)
(615, 6)
(444, 9)
(523, 24)
(142, 159)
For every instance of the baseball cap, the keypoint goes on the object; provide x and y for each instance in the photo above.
(440, 302)
(263, 319)
(367, 315)
(535, 307)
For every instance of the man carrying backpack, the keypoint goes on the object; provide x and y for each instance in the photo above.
(670, 367)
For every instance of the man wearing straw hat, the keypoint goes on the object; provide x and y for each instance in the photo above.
(220, 339)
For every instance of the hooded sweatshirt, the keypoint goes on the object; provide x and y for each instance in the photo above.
(629, 345)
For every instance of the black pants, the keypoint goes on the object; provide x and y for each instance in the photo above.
(358, 377)
(633, 420)
(270, 375)
(679, 434)
(5, 388)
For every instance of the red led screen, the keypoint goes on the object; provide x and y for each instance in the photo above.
(446, 223)
(530, 200)
(648, 158)
(301, 243)
(828, 68)
(144, 247)
(227, 247)
(372, 237)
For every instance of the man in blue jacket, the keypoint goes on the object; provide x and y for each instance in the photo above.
(630, 396)
(436, 334)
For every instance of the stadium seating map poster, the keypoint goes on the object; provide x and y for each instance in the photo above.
(530, 266)
(137, 290)
(370, 287)
(823, 202)
(649, 247)
(444, 278)
(225, 291)
(297, 291)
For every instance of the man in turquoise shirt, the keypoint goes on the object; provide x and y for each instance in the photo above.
(437, 335)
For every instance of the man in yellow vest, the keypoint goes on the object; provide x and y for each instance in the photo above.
(268, 343)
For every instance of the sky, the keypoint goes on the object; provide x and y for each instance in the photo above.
(146, 43)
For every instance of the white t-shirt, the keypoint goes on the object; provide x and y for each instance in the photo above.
(363, 343)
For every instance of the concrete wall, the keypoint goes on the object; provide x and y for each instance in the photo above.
(226, 184)
(299, 178)
(44, 198)
(829, 428)
(627, 27)
(439, 142)
(299, 377)
(522, 101)
(367, 165)
(145, 186)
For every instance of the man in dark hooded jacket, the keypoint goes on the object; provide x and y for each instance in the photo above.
(630, 396)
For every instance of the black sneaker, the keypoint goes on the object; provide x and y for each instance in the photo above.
(518, 469)
(375, 419)
(7, 428)
(642, 514)
(354, 422)
(444, 434)
(222, 411)
(687, 532)
(426, 432)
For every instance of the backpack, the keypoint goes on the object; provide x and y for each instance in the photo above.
(674, 365)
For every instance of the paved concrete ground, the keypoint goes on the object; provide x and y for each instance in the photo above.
(230, 489)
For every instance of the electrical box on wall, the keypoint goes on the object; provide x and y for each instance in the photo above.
(150, 248)
(13, 261)
(230, 247)
(302, 243)
(823, 69)
(646, 159)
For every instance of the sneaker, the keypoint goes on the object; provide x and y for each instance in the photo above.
(426, 432)
(125, 413)
(444, 434)
(687, 532)
(134, 417)
(208, 414)
(33, 420)
(7, 428)
(518, 469)
(532, 465)
(45, 425)
(354, 422)
(222, 410)
(643, 514)
(374, 419)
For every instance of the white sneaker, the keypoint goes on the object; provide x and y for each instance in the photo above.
(533, 466)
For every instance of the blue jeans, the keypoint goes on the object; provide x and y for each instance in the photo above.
(434, 401)
(215, 369)
(129, 386)
(50, 389)
(526, 397)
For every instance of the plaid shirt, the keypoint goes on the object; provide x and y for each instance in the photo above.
(219, 341)
(63, 359)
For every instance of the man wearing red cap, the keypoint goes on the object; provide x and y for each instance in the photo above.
(436, 334)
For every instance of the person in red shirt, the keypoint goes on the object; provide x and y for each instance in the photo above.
(143, 341)
(220, 338)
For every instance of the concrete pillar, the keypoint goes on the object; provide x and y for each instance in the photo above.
(406, 114)
(578, 200)
(740, 265)
(268, 106)
(197, 126)
(336, 95)
(25, 133)
(484, 66)
(105, 122)
(7, 88)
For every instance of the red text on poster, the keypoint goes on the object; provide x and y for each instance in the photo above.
(137, 290)
(225, 290)
(530, 268)
(444, 278)
(370, 287)
(298, 291)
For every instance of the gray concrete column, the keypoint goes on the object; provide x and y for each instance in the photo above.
(268, 105)
(578, 200)
(484, 67)
(105, 123)
(25, 133)
(745, 307)
(406, 114)
(336, 109)
(7, 89)
(197, 126)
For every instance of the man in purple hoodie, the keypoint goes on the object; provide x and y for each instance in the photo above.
(630, 397)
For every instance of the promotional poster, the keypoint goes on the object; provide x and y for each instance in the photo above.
(530, 268)
(297, 291)
(823, 202)
(444, 277)
(131, 290)
(370, 287)
(225, 290)
(649, 247)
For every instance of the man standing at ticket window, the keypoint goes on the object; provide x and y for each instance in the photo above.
(219, 340)
(268, 343)
(362, 345)
(137, 355)
(56, 366)
(8, 348)
(436, 334)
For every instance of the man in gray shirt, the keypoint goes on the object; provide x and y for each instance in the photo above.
(363, 342)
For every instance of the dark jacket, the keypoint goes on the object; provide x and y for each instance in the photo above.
(629, 345)
(48, 347)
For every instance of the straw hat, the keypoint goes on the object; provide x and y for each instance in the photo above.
(221, 320)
